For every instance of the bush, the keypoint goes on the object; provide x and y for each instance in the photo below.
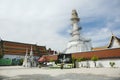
(1, 56)
(51, 60)
(112, 64)
(81, 59)
(21, 61)
(5, 62)
(94, 59)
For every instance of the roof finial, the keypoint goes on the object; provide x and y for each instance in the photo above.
(112, 33)
(75, 16)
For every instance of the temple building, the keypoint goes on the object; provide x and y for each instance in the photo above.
(113, 43)
(11, 50)
(79, 47)
(105, 55)
(77, 43)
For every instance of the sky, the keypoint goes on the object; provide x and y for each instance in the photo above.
(47, 22)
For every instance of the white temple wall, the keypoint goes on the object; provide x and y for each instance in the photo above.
(13, 56)
(16, 56)
(100, 63)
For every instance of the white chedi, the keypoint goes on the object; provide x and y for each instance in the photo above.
(26, 63)
(29, 60)
(77, 42)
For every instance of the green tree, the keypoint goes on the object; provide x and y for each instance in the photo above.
(21, 61)
(73, 62)
(73, 59)
(81, 59)
(94, 59)
(51, 60)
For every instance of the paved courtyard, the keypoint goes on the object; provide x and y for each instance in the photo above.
(20, 73)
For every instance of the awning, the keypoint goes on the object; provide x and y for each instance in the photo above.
(42, 59)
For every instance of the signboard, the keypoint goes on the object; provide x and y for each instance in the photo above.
(64, 58)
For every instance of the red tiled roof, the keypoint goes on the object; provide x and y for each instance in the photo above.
(101, 54)
(42, 59)
(49, 57)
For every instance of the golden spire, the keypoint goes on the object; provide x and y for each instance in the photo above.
(74, 15)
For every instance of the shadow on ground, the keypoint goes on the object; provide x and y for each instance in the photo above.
(75, 76)
(69, 76)
(3, 77)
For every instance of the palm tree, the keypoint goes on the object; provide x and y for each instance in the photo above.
(94, 59)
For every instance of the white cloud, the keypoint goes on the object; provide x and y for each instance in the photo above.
(40, 21)
(101, 36)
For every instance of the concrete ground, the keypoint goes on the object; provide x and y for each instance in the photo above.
(21, 73)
